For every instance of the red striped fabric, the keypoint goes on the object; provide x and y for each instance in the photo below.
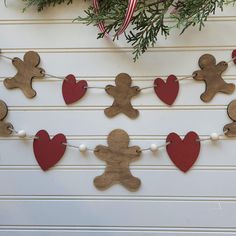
(128, 16)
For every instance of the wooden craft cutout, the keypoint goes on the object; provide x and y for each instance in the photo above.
(117, 157)
(183, 153)
(234, 56)
(122, 93)
(27, 70)
(72, 90)
(167, 90)
(230, 129)
(211, 74)
(4, 127)
(48, 152)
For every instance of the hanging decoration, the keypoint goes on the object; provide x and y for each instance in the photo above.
(48, 151)
(118, 155)
(26, 71)
(167, 90)
(122, 94)
(72, 90)
(5, 128)
(211, 74)
(183, 153)
(147, 19)
(230, 129)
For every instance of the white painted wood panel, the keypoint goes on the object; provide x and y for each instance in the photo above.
(178, 214)
(151, 121)
(63, 201)
(86, 40)
(155, 182)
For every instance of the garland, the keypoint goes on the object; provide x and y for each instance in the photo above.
(151, 18)
(166, 90)
(118, 155)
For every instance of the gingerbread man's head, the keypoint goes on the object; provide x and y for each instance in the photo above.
(123, 80)
(118, 139)
(232, 111)
(3, 110)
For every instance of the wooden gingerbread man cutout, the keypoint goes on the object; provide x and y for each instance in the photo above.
(230, 129)
(117, 157)
(5, 128)
(122, 93)
(26, 71)
(211, 74)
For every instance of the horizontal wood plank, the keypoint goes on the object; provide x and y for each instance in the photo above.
(34, 37)
(114, 213)
(153, 122)
(136, 232)
(199, 183)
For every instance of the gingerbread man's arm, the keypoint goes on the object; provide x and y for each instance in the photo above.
(135, 90)
(38, 72)
(102, 152)
(111, 90)
(197, 75)
(222, 66)
(133, 152)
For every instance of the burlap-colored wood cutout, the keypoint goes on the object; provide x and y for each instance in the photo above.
(4, 127)
(230, 129)
(117, 157)
(26, 71)
(211, 74)
(122, 93)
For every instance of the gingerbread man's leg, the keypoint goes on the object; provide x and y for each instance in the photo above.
(228, 88)
(10, 83)
(130, 111)
(132, 183)
(28, 91)
(208, 95)
(103, 182)
(112, 111)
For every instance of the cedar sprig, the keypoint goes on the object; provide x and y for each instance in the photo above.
(152, 18)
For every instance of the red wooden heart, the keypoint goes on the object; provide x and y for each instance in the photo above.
(183, 153)
(167, 91)
(48, 151)
(234, 56)
(72, 91)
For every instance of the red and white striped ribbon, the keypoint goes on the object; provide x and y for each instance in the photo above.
(128, 16)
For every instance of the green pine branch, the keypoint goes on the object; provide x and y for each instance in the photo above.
(41, 4)
(151, 19)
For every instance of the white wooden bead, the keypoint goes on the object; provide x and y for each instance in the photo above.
(82, 148)
(154, 147)
(214, 136)
(21, 134)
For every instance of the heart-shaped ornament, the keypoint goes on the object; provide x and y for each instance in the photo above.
(167, 91)
(72, 90)
(48, 151)
(234, 56)
(183, 153)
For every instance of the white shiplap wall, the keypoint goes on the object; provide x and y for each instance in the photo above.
(63, 201)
